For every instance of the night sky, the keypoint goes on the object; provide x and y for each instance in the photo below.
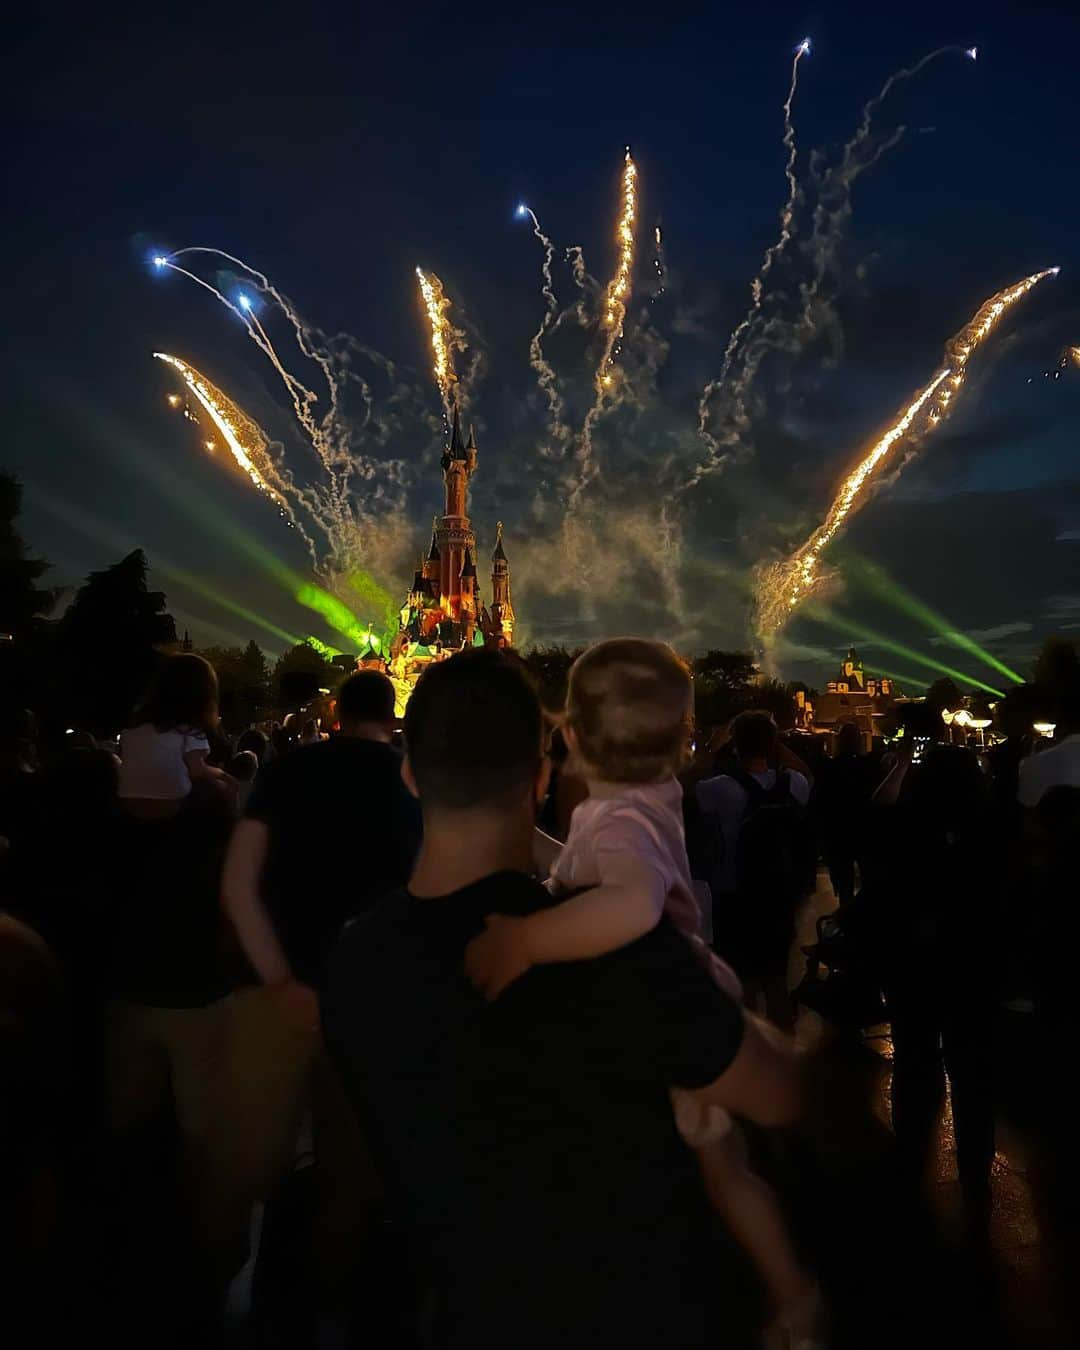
(337, 146)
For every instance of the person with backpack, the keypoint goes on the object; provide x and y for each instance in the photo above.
(756, 816)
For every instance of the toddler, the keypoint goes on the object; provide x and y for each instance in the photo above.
(166, 749)
(628, 723)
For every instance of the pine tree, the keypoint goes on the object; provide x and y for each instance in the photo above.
(110, 640)
(22, 601)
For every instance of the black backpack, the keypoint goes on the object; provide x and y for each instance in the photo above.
(772, 846)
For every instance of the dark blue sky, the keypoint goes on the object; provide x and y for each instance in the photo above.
(336, 146)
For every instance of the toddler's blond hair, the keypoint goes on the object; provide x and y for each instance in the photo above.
(630, 706)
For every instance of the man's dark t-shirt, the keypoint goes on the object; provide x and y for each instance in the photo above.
(532, 1140)
(344, 831)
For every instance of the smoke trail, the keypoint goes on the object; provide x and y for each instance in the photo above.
(783, 586)
(757, 286)
(613, 318)
(545, 373)
(833, 208)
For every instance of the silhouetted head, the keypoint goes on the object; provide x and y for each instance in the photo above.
(474, 735)
(754, 735)
(848, 739)
(253, 740)
(183, 693)
(365, 698)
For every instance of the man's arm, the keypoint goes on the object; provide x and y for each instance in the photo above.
(243, 904)
(244, 907)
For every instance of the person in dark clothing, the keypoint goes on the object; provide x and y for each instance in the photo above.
(328, 830)
(527, 1146)
(936, 902)
(843, 796)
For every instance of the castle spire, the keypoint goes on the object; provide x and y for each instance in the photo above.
(457, 446)
(499, 555)
(433, 552)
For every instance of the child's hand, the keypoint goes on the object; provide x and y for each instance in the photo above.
(498, 955)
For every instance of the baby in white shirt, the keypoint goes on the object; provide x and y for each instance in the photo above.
(166, 750)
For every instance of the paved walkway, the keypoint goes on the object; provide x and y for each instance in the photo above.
(896, 1265)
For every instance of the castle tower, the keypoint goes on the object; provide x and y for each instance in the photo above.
(502, 611)
(432, 563)
(453, 536)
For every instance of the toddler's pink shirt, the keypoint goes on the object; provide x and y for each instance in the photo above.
(645, 822)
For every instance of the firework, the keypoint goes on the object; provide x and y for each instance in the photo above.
(240, 433)
(613, 317)
(757, 286)
(303, 399)
(445, 338)
(545, 373)
(659, 266)
(783, 586)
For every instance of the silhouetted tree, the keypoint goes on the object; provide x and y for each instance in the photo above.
(22, 601)
(243, 683)
(299, 674)
(108, 643)
(943, 693)
(775, 697)
(1057, 672)
(723, 681)
(550, 668)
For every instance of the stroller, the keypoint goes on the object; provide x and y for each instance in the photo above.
(841, 984)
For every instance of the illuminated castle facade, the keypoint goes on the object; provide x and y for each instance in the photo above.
(853, 697)
(444, 612)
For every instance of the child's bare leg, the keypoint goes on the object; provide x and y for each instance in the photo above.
(749, 1207)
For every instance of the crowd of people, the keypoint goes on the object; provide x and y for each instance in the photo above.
(481, 1031)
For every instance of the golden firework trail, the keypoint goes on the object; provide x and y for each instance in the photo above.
(783, 586)
(239, 432)
(757, 286)
(1074, 353)
(613, 318)
(303, 399)
(445, 338)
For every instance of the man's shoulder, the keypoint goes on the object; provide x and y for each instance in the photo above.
(800, 786)
(724, 787)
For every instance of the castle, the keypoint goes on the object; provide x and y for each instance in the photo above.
(443, 612)
(853, 697)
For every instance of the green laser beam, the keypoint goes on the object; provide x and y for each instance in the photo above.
(844, 624)
(878, 583)
(104, 533)
(336, 613)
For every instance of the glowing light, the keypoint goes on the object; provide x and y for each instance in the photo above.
(443, 334)
(161, 261)
(972, 53)
(1074, 353)
(803, 48)
(783, 586)
(522, 211)
(242, 435)
(618, 291)
(244, 301)
(1044, 728)
(175, 400)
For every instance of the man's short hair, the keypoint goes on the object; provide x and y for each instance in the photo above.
(473, 731)
(754, 734)
(367, 696)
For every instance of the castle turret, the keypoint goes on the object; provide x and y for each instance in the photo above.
(502, 610)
